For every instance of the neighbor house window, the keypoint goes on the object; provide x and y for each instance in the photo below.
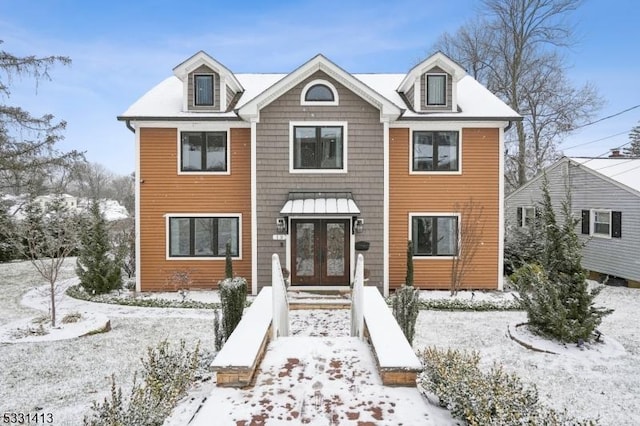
(435, 151)
(436, 90)
(203, 151)
(434, 235)
(318, 147)
(602, 223)
(526, 216)
(203, 236)
(203, 90)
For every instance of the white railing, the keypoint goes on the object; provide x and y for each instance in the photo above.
(280, 322)
(357, 300)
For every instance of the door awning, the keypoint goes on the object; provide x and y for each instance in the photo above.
(320, 203)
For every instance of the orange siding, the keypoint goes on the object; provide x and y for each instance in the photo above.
(163, 191)
(439, 193)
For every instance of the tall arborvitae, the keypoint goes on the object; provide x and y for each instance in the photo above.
(228, 264)
(406, 300)
(555, 294)
(97, 266)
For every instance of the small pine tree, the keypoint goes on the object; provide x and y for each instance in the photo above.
(555, 294)
(7, 232)
(97, 268)
(406, 301)
(228, 265)
(409, 278)
(233, 297)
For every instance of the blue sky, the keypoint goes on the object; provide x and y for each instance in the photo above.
(121, 49)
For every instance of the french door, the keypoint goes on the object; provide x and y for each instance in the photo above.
(320, 252)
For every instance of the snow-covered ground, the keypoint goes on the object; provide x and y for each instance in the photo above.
(64, 377)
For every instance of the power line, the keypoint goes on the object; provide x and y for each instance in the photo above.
(594, 122)
(594, 141)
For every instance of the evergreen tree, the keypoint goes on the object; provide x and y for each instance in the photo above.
(228, 264)
(7, 231)
(406, 300)
(633, 150)
(97, 268)
(555, 294)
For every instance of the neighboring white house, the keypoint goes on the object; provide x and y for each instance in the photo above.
(605, 196)
(70, 201)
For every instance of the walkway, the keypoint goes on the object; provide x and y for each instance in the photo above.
(318, 381)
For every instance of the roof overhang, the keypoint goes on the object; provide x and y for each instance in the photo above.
(320, 203)
(251, 109)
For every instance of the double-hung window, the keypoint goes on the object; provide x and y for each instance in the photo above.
(203, 152)
(203, 236)
(318, 147)
(526, 216)
(435, 151)
(602, 223)
(203, 90)
(434, 235)
(436, 90)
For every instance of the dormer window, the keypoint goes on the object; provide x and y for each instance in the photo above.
(319, 92)
(203, 89)
(436, 89)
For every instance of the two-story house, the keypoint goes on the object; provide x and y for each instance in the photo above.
(316, 165)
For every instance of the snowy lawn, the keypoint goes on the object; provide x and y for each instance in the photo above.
(64, 377)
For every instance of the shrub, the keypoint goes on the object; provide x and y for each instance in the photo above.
(233, 296)
(406, 306)
(555, 293)
(492, 398)
(228, 264)
(166, 376)
(218, 330)
(71, 318)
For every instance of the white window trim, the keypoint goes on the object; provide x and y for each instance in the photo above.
(523, 217)
(345, 146)
(592, 225)
(168, 216)
(213, 89)
(303, 94)
(426, 90)
(410, 236)
(199, 129)
(435, 127)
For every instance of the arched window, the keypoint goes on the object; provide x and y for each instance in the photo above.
(319, 92)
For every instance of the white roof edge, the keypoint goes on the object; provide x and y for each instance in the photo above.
(584, 168)
(437, 59)
(537, 177)
(319, 63)
(203, 58)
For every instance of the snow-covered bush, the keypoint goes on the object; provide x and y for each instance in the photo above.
(485, 398)
(218, 330)
(406, 307)
(166, 375)
(233, 297)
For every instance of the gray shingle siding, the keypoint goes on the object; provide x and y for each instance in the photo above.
(615, 256)
(364, 162)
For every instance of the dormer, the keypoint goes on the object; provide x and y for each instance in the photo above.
(431, 86)
(207, 85)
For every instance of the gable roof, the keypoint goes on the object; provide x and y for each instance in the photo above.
(319, 63)
(165, 100)
(625, 171)
(202, 58)
(438, 59)
(621, 172)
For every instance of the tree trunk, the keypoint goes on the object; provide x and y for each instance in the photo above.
(53, 305)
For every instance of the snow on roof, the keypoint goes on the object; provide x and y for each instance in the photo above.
(474, 100)
(622, 170)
